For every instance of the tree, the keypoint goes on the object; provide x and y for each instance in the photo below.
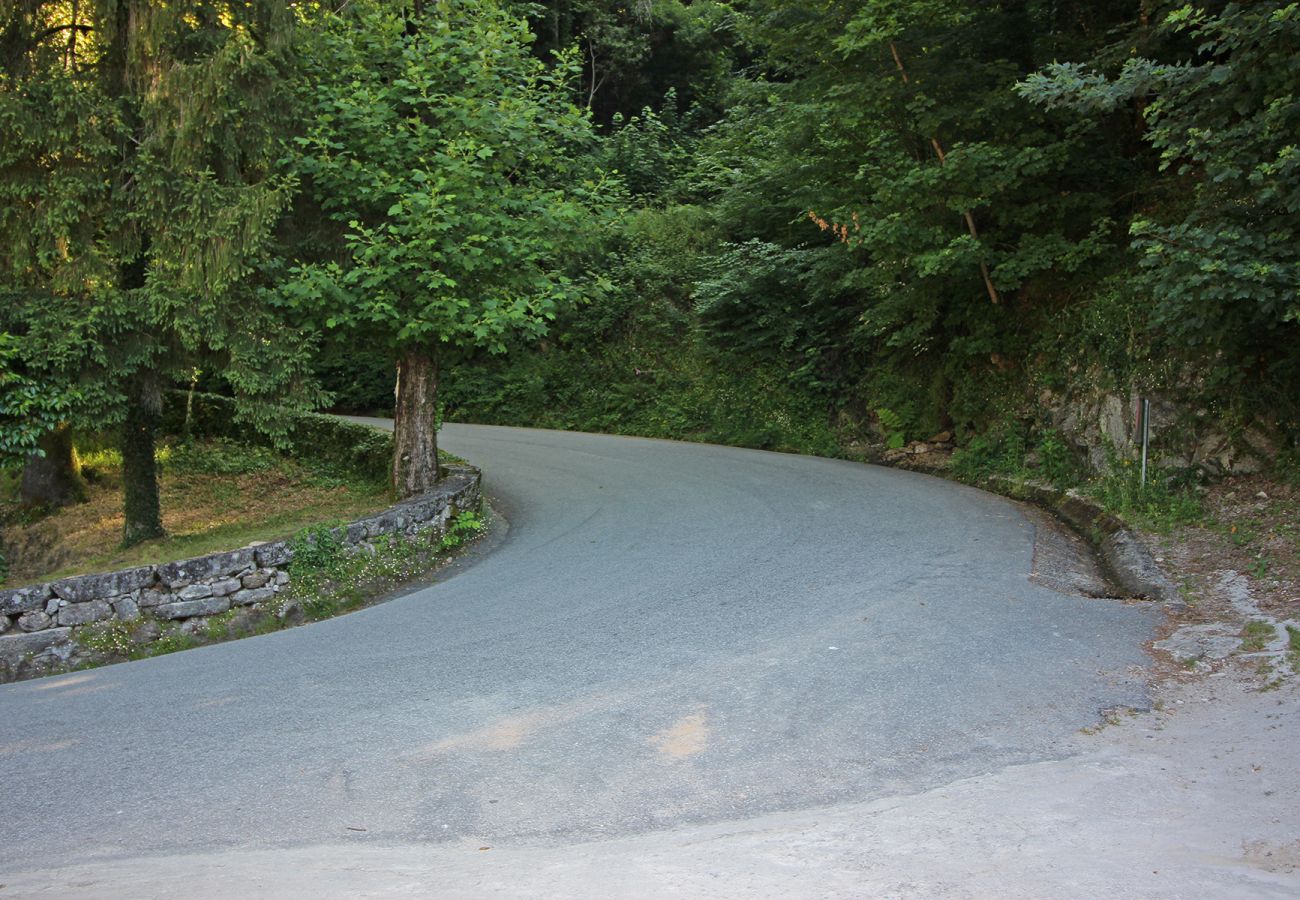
(33, 433)
(1219, 260)
(446, 155)
(140, 188)
(631, 54)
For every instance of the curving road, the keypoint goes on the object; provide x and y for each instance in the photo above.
(668, 633)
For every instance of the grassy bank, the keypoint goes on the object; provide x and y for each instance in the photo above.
(216, 495)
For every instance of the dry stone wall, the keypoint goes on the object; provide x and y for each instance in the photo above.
(39, 624)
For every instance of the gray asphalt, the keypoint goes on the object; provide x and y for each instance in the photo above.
(668, 634)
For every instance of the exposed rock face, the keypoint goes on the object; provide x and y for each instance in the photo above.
(1102, 424)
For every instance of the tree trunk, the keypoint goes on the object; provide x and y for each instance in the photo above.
(415, 436)
(55, 478)
(139, 470)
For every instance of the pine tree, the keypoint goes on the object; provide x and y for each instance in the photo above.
(140, 194)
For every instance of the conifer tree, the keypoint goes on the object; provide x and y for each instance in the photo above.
(140, 193)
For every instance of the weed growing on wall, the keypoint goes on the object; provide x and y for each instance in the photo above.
(329, 580)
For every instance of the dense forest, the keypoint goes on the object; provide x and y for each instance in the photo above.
(811, 225)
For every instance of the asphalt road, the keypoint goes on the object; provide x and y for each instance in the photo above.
(668, 634)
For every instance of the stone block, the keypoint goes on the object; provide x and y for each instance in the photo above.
(196, 592)
(276, 553)
(16, 601)
(206, 568)
(224, 586)
(256, 580)
(251, 595)
(34, 621)
(384, 523)
(282, 578)
(149, 598)
(127, 609)
(13, 647)
(84, 588)
(4, 624)
(85, 613)
(184, 609)
(422, 509)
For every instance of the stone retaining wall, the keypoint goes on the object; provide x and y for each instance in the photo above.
(39, 623)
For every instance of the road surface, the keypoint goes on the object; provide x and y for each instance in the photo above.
(670, 635)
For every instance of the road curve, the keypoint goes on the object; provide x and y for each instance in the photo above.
(669, 633)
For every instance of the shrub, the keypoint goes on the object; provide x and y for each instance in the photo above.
(321, 442)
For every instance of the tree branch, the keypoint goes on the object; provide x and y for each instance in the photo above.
(966, 214)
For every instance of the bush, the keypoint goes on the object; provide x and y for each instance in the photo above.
(219, 456)
(319, 441)
(317, 548)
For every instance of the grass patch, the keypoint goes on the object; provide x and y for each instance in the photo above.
(1256, 635)
(1160, 505)
(216, 495)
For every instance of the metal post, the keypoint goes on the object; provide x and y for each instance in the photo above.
(1146, 436)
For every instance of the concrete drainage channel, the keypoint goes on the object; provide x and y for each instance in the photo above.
(1127, 561)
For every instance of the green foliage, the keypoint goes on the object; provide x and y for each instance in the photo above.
(330, 446)
(1221, 264)
(1057, 464)
(220, 456)
(28, 408)
(823, 208)
(673, 390)
(651, 151)
(444, 152)
(115, 640)
(112, 638)
(1256, 635)
(140, 192)
(1162, 504)
(892, 423)
(316, 549)
(346, 581)
(465, 527)
(635, 54)
(999, 451)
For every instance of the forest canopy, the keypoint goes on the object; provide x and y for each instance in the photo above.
(793, 224)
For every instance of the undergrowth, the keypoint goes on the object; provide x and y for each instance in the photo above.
(329, 578)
